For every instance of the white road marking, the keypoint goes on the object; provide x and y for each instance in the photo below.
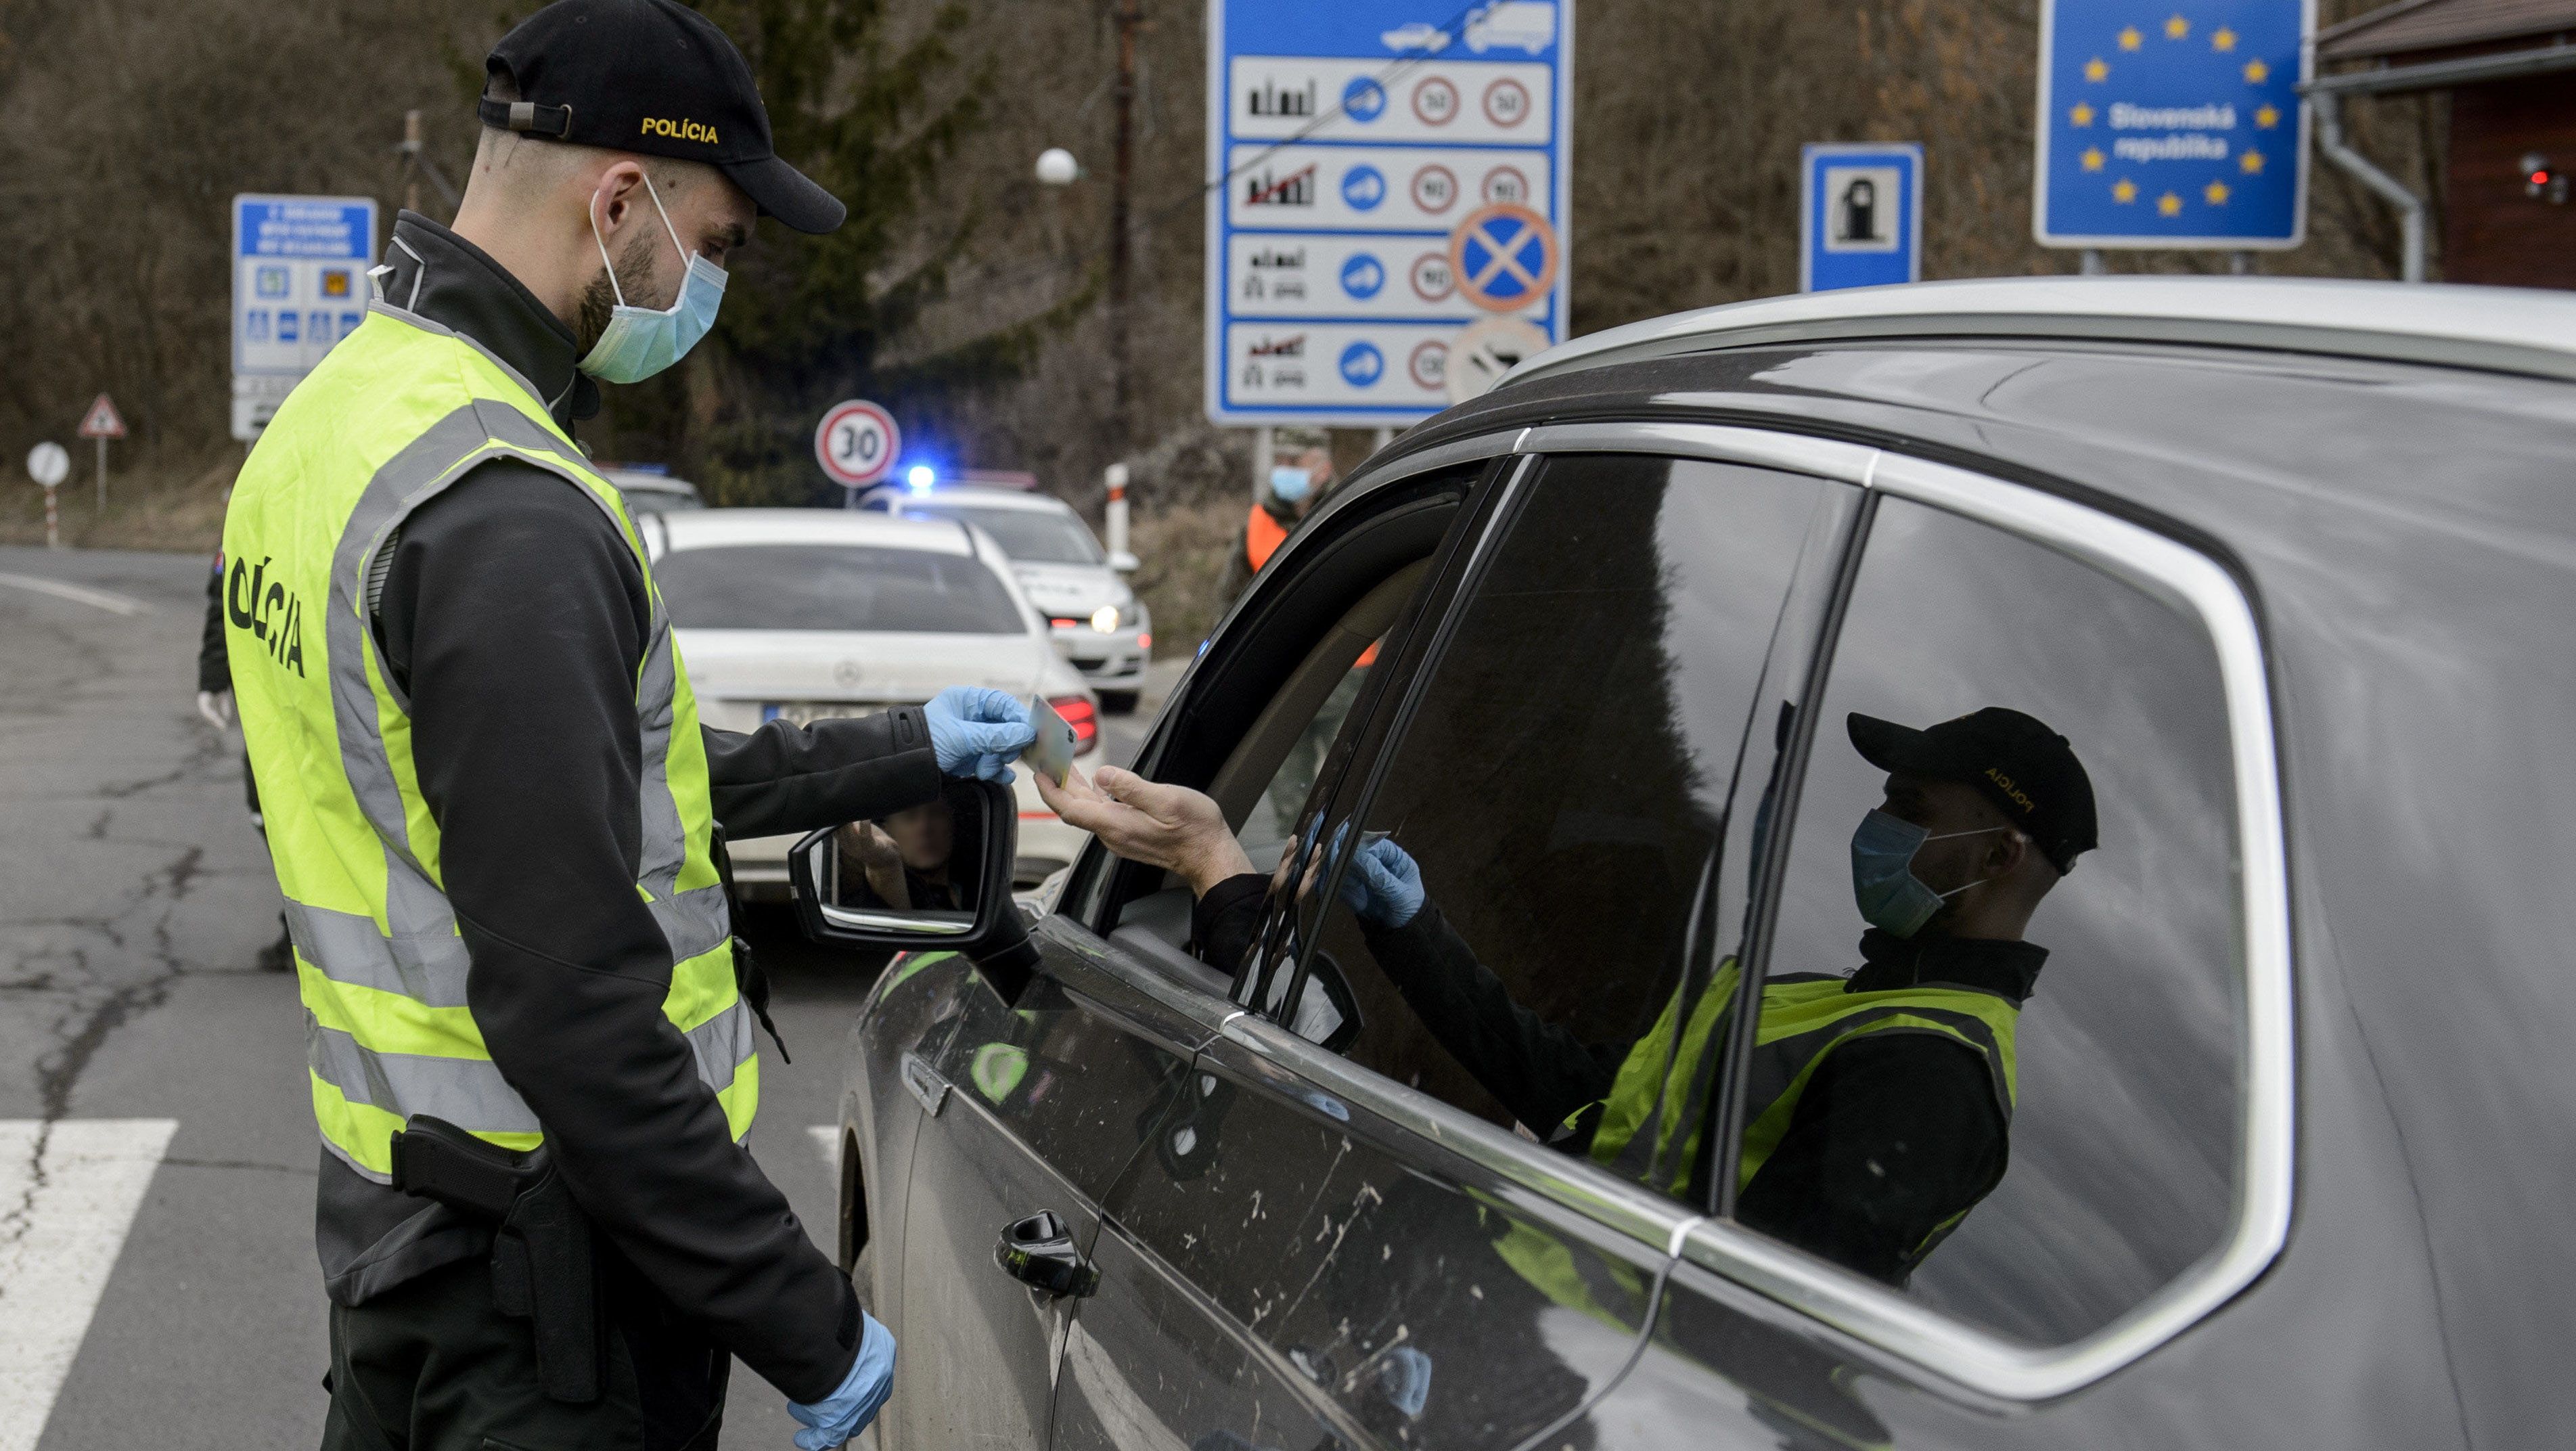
(114, 604)
(63, 1217)
(827, 1142)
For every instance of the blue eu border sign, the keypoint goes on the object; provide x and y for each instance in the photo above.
(2172, 123)
(1353, 141)
(1860, 215)
(299, 285)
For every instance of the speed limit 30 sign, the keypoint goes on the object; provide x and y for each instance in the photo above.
(857, 443)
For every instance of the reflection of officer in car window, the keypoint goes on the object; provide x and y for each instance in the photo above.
(901, 861)
(1879, 1104)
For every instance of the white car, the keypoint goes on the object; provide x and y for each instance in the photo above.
(653, 491)
(815, 613)
(1529, 25)
(1098, 622)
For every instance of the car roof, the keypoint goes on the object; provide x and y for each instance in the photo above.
(2504, 329)
(651, 482)
(709, 527)
(987, 498)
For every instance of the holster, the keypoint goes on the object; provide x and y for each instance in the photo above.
(542, 1269)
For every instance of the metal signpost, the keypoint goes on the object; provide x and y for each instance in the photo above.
(857, 443)
(299, 285)
(48, 463)
(2176, 126)
(1390, 175)
(102, 423)
(1860, 215)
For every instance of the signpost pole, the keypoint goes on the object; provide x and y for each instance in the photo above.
(102, 473)
(53, 521)
(1263, 455)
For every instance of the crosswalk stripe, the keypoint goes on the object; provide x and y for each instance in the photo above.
(68, 1194)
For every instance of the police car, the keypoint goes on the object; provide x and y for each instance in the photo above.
(1096, 619)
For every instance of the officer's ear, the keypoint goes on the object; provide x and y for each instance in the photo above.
(2010, 848)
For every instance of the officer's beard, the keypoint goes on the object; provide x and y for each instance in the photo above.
(599, 300)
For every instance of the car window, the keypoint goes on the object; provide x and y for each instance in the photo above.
(1996, 1061)
(1031, 536)
(1536, 872)
(834, 587)
(1270, 824)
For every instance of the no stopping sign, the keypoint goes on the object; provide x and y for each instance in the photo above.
(856, 443)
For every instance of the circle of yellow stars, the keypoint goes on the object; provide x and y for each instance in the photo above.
(2249, 161)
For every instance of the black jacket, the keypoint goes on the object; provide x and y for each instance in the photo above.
(1894, 1135)
(515, 617)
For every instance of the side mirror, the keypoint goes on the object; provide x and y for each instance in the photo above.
(936, 877)
(1124, 562)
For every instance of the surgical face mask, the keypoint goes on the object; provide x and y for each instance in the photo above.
(1291, 484)
(640, 342)
(1890, 896)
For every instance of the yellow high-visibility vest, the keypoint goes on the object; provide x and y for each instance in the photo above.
(401, 409)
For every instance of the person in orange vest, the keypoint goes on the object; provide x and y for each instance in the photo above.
(1293, 490)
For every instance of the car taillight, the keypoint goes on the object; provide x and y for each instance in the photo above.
(1077, 713)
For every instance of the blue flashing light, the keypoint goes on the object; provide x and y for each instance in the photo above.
(920, 477)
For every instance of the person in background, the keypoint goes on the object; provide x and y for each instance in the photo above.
(215, 703)
(1287, 498)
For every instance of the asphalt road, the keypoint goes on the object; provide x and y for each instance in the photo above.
(157, 1150)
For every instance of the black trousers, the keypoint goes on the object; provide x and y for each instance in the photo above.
(431, 1366)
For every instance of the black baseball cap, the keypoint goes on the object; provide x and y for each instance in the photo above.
(2027, 770)
(653, 77)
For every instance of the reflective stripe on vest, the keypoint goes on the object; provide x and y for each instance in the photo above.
(1803, 1018)
(1262, 536)
(399, 411)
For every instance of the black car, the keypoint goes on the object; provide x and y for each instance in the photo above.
(2271, 1146)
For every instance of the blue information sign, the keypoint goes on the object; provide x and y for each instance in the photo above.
(1354, 139)
(2173, 124)
(299, 285)
(1860, 215)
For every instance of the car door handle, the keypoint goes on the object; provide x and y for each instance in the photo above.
(1038, 1251)
(924, 1083)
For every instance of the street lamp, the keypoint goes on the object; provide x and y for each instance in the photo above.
(1056, 167)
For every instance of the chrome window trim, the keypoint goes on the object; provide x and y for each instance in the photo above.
(1723, 443)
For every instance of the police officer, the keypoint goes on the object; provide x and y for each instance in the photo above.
(493, 809)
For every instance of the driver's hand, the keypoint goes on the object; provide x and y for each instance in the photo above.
(1172, 827)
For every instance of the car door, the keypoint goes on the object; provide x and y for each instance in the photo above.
(1034, 1108)
(1370, 1228)
(1038, 1105)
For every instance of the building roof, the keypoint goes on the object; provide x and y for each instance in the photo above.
(2504, 329)
(2411, 27)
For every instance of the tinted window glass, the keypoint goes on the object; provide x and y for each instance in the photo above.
(1564, 787)
(834, 587)
(2017, 1097)
(1030, 535)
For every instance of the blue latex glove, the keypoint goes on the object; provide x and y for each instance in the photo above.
(1383, 885)
(978, 732)
(846, 1412)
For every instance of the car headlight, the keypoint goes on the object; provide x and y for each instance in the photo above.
(1105, 619)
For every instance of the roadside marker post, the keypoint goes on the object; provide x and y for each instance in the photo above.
(49, 463)
(102, 423)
